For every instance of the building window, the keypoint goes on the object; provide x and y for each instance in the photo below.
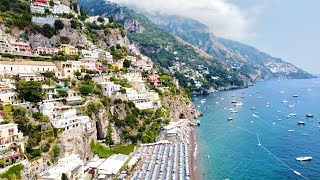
(11, 131)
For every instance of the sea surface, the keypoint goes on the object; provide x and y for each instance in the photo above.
(231, 150)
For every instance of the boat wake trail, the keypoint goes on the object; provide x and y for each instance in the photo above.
(259, 144)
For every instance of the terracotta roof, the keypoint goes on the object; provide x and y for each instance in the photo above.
(33, 63)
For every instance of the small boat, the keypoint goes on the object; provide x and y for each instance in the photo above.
(288, 116)
(309, 115)
(295, 95)
(301, 123)
(259, 97)
(253, 108)
(284, 101)
(242, 97)
(233, 111)
(306, 158)
(292, 114)
(238, 104)
(290, 130)
(230, 119)
(233, 101)
(203, 101)
(291, 106)
(297, 173)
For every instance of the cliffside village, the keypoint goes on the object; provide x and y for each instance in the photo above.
(62, 111)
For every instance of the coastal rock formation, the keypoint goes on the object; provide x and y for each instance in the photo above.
(181, 108)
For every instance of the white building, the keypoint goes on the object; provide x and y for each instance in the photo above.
(71, 166)
(141, 100)
(170, 130)
(92, 19)
(88, 54)
(43, 20)
(5, 46)
(109, 88)
(47, 51)
(131, 58)
(112, 165)
(66, 118)
(26, 67)
(47, 108)
(61, 9)
(50, 91)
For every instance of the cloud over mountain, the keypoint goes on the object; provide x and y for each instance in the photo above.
(223, 18)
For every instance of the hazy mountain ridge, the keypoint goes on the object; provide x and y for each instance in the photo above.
(235, 54)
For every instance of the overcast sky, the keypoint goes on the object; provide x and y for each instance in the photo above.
(289, 29)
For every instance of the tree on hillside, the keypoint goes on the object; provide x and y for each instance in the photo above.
(126, 63)
(51, 3)
(49, 74)
(86, 89)
(29, 91)
(58, 24)
(64, 177)
(77, 74)
(100, 19)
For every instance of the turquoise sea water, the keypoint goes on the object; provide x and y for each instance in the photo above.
(230, 150)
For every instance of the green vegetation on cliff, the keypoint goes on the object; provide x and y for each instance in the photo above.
(163, 48)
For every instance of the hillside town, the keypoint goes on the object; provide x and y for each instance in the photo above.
(63, 108)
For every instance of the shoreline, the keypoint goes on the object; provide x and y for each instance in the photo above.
(192, 157)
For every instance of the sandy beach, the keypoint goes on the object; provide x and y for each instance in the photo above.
(192, 158)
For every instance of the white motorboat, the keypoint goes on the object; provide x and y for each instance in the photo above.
(292, 114)
(284, 101)
(306, 158)
(230, 119)
(309, 115)
(203, 101)
(253, 108)
(238, 104)
(233, 111)
(290, 130)
(301, 123)
(291, 106)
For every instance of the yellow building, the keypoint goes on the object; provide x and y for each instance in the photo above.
(69, 50)
(7, 95)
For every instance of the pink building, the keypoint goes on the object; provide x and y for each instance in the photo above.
(20, 46)
(41, 2)
(154, 80)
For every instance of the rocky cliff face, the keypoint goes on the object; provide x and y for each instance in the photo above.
(76, 37)
(72, 141)
(181, 108)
